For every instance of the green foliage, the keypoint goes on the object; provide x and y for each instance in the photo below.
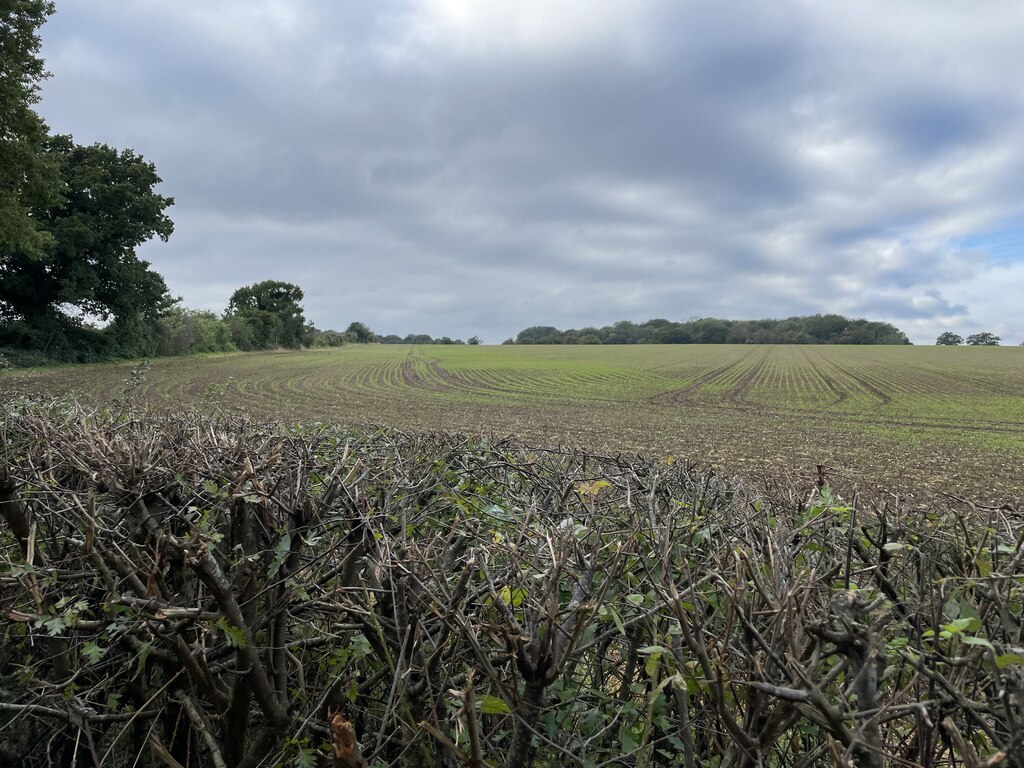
(267, 315)
(55, 338)
(815, 329)
(425, 338)
(107, 208)
(360, 333)
(317, 338)
(71, 217)
(949, 339)
(28, 175)
(983, 339)
(183, 331)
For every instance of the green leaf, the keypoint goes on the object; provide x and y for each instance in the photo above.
(92, 652)
(140, 665)
(653, 654)
(969, 624)
(1009, 659)
(652, 649)
(634, 599)
(284, 546)
(972, 640)
(306, 758)
(628, 740)
(617, 619)
(235, 636)
(492, 705)
(53, 626)
(651, 665)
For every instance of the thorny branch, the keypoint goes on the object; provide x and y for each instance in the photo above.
(194, 590)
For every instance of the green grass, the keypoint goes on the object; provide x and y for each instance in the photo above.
(949, 419)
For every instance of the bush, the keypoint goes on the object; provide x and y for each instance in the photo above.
(57, 340)
(188, 331)
(327, 338)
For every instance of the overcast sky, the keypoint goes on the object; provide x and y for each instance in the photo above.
(461, 167)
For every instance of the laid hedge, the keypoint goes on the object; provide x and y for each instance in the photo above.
(201, 590)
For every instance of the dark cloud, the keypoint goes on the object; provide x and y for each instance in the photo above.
(461, 168)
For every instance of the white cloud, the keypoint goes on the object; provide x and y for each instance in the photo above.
(464, 167)
(533, 28)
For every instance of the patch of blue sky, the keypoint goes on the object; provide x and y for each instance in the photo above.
(1002, 245)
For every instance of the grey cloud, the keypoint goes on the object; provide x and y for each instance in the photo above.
(743, 160)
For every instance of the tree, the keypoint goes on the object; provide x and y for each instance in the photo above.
(540, 334)
(949, 339)
(106, 208)
(266, 315)
(28, 176)
(983, 339)
(360, 333)
(473, 340)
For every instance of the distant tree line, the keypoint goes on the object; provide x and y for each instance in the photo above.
(425, 338)
(815, 329)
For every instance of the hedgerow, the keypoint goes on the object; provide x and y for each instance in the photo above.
(206, 590)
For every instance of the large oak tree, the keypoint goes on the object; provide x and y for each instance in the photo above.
(106, 207)
(71, 216)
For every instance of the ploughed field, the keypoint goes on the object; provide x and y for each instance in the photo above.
(916, 420)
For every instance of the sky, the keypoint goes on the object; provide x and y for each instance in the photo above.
(474, 167)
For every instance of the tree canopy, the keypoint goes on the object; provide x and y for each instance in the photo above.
(267, 314)
(949, 339)
(71, 218)
(360, 333)
(816, 329)
(106, 208)
(28, 177)
(983, 339)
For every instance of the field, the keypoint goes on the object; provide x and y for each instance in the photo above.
(913, 419)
